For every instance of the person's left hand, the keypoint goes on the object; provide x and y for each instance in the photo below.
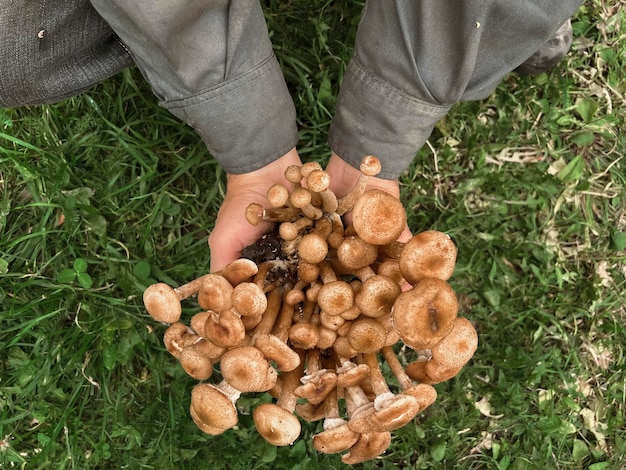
(232, 231)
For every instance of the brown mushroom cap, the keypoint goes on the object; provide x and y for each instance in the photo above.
(366, 335)
(425, 314)
(354, 253)
(315, 387)
(335, 297)
(225, 330)
(212, 409)
(458, 347)
(238, 271)
(215, 293)
(246, 369)
(277, 350)
(162, 303)
(378, 217)
(428, 254)
(248, 299)
(369, 446)
(312, 248)
(277, 425)
(197, 365)
(310, 412)
(336, 437)
(377, 296)
(174, 338)
(277, 195)
(448, 356)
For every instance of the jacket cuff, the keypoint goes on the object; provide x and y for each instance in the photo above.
(246, 122)
(373, 118)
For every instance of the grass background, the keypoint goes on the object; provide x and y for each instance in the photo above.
(105, 193)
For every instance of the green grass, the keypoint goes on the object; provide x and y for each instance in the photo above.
(103, 194)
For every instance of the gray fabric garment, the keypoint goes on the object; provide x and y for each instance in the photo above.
(210, 62)
(51, 50)
(414, 59)
(550, 54)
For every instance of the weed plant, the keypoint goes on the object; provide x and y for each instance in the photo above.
(105, 193)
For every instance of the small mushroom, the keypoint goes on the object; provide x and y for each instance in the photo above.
(163, 302)
(377, 296)
(175, 338)
(246, 368)
(215, 293)
(448, 356)
(336, 436)
(277, 423)
(213, 407)
(225, 329)
(318, 382)
(278, 195)
(318, 181)
(248, 299)
(424, 394)
(370, 166)
(390, 411)
(303, 334)
(195, 363)
(354, 253)
(378, 217)
(366, 335)
(335, 296)
(370, 444)
(429, 254)
(238, 271)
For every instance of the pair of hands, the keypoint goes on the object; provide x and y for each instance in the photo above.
(232, 231)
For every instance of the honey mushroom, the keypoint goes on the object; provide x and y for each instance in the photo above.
(262, 328)
(370, 166)
(245, 366)
(336, 436)
(369, 445)
(213, 408)
(317, 382)
(276, 422)
(378, 217)
(425, 394)
(390, 411)
(429, 254)
(448, 356)
(425, 314)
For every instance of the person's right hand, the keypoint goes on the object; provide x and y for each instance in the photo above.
(343, 178)
(232, 231)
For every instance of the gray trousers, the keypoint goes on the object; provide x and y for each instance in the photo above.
(37, 68)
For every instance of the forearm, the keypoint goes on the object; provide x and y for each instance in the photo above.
(211, 64)
(414, 59)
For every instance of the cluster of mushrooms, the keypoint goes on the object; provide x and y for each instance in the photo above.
(310, 312)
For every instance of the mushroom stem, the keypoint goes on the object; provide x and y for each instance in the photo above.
(390, 411)
(318, 181)
(303, 334)
(336, 436)
(424, 394)
(318, 382)
(370, 166)
(270, 315)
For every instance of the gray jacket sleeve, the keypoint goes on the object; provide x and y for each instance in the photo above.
(210, 62)
(414, 59)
